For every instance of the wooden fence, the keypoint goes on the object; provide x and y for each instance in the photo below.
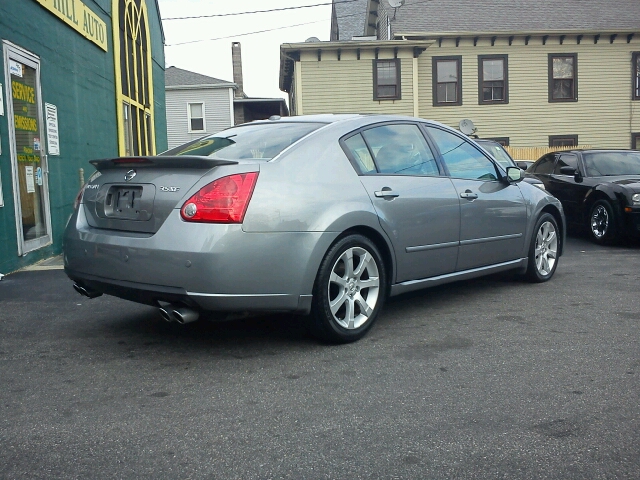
(534, 153)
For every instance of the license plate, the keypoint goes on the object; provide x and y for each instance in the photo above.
(124, 202)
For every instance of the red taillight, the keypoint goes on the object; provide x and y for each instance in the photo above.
(223, 201)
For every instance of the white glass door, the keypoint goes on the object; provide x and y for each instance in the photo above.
(26, 141)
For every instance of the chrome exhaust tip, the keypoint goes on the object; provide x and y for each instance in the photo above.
(165, 313)
(184, 314)
(85, 291)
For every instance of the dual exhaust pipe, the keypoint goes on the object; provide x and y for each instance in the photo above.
(172, 312)
(175, 312)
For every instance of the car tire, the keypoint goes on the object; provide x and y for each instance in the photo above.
(601, 223)
(350, 289)
(543, 251)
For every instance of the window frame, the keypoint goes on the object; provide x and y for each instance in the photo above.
(376, 95)
(189, 118)
(635, 141)
(550, 79)
(556, 138)
(505, 80)
(434, 75)
(504, 141)
(635, 76)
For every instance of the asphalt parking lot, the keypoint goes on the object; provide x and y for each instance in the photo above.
(490, 378)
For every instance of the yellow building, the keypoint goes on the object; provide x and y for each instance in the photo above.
(527, 77)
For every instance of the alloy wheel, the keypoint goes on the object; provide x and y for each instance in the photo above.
(599, 221)
(546, 249)
(354, 288)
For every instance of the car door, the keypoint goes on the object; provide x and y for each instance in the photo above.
(417, 207)
(493, 214)
(564, 186)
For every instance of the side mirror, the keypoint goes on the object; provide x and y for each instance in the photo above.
(514, 174)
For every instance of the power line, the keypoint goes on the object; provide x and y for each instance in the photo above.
(257, 11)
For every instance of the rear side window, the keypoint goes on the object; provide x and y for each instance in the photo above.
(259, 141)
(400, 150)
(544, 165)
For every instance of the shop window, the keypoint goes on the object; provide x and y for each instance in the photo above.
(492, 79)
(447, 81)
(563, 77)
(134, 80)
(386, 79)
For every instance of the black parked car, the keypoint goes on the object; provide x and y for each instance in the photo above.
(599, 189)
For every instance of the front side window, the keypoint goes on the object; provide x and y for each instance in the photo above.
(400, 150)
(563, 77)
(461, 158)
(196, 117)
(492, 79)
(447, 81)
(386, 79)
(566, 160)
(635, 75)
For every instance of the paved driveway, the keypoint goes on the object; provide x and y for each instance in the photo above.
(481, 379)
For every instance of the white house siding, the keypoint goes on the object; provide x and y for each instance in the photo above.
(217, 110)
(346, 85)
(604, 115)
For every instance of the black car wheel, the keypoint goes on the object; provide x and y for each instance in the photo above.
(543, 251)
(349, 291)
(602, 223)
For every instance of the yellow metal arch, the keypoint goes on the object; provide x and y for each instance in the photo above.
(134, 64)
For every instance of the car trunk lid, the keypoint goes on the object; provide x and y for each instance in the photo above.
(137, 194)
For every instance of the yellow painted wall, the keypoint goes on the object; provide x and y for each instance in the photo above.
(604, 115)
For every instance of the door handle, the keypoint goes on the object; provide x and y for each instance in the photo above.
(469, 195)
(386, 192)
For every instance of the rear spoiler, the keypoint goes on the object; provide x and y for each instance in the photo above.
(161, 161)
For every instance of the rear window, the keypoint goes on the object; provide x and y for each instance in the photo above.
(259, 141)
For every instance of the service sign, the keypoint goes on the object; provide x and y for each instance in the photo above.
(79, 17)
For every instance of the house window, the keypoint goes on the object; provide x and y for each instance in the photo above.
(563, 77)
(636, 75)
(563, 140)
(635, 141)
(504, 141)
(447, 81)
(386, 79)
(196, 117)
(492, 79)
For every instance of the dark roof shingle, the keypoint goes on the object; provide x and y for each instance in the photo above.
(177, 77)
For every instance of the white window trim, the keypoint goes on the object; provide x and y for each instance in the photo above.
(204, 118)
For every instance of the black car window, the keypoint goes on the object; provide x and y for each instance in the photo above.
(462, 158)
(399, 149)
(565, 160)
(605, 163)
(544, 165)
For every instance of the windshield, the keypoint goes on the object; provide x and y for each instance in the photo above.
(599, 164)
(263, 141)
(498, 152)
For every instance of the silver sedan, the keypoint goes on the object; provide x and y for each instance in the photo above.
(323, 215)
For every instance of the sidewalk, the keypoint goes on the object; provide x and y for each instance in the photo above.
(52, 263)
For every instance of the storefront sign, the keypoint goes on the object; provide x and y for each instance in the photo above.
(51, 112)
(79, 17)
(28, 171)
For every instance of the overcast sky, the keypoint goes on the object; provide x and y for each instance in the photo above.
(209, 50)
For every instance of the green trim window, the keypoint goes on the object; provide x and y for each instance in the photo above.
(447, 81)
(563, 77)
(492, 79)
(386, 79)
(133, 72)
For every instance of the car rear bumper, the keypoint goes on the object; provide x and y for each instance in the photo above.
(207, 266)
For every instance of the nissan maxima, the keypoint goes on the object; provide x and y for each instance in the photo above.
(324, 216)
